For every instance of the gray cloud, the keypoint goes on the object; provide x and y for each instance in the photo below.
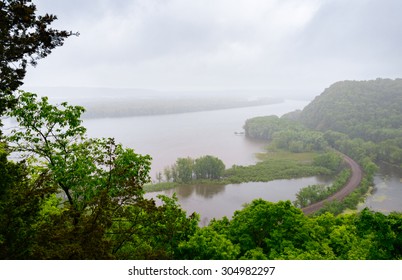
(167, 44)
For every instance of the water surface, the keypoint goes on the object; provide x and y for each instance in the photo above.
(168, 137)
(387, 193)
(223, 200)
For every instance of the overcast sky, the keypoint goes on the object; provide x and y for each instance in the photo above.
(222, 44)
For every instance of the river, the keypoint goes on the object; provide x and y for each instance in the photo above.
(167, 137)
(216, 201)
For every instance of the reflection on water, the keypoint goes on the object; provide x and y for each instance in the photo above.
(216, 201)
(197, 190)
(387, 194)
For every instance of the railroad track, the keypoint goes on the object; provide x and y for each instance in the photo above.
(353, 183)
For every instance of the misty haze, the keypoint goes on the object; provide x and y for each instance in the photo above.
(201, 130)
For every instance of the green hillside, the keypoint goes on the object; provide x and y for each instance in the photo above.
(371, 110)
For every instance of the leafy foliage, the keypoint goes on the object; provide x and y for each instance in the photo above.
(330, 160)
(285, 134)
(370, 110)
(84, 169)
(266, 127)
(315, 193)
(207, 244)
(273, 169)
(88, 198)
(266, 230)
(186, 170)
(208, 167)
(183, 170)
(152, 232)
(20, 204)
(360, 117)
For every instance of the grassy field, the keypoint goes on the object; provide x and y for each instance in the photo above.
(274, 154)
(276, 165)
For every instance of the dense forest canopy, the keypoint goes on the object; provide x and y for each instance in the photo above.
(360, 118)
(371, 110)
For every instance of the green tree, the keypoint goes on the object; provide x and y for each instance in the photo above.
(25, 37)
(184, 169)
(208, 167)
(330, 160)
(378, 229)
(152, 232)
(207, 244)
(265, 128)
(254, 254)
(159, 176)
(20, 204)
(96, 177)
(266, 225)
(83, 168)
(168, 174)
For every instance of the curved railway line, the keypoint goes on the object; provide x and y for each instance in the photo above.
(353, 183)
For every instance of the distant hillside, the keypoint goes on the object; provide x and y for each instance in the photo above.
(127, 107)
(127, 102)
(371, 110)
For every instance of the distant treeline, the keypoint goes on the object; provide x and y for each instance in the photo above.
(126, 107)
